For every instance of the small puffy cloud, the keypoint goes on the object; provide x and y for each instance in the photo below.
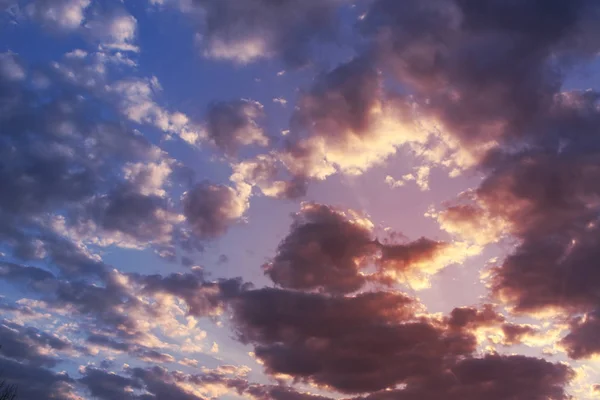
(58, 14)
(150, 178)
(211, 209)
(393, 182)
(189, 362)
(280, 100)
(233, 124)
(114, 31)
(136, 99)
(10, 67)
(244, 32)
(268, 174)
(583, 341)
(214, 348)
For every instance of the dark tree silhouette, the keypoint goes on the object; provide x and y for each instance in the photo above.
(7, 392)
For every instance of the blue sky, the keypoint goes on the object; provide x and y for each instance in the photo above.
(296, 200)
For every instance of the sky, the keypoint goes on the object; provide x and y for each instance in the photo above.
(300, 199)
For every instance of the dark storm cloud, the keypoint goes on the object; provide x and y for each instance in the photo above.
(353, 344)
(324, 250)
(232, 124)
(246, 31)
(492, 377)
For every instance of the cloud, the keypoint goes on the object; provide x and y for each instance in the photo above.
(115, 30)
(437, 48)
(29, 345)
(125, 217)
(491, 377)
(325, 250)
(157, 382)
(506, 110)
(78, 179)
(68, 169)
(203, 298)
(345, 122)
(136, 98)
(162, 384)
(58, 14)
(582, 341)
(257, 29)
(556, 225)
(36, 382)
(542, 196)
(472, 318)
(265, 392)
(10, 67)
(104, 385)
(363, 343)
(235, 123)
(112, 27)
(266, 172)
(415, 262)
(211, 209)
